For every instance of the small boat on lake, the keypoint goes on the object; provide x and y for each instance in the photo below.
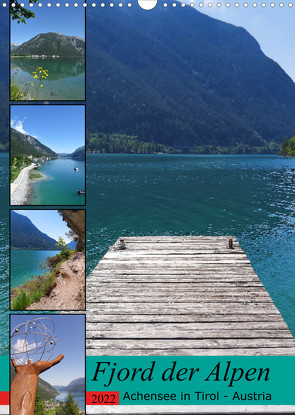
(81, 192)
(76, 168)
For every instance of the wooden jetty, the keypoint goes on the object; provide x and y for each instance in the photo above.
(181, 296)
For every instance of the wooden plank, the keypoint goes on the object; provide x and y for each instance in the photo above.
(168, 299)
(100, 350)
(180, 327)
(93, 317)
(186, 333)
(184, 308)
(180, 286)
(183, 255)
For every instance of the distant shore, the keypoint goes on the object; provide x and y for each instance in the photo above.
(20, 188)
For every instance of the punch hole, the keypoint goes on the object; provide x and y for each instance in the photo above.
(147, 4)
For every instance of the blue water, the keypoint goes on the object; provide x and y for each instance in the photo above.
(26, 264)
(62, 186)
(65, 81)
(4, 254)
(251, 197)
(78, 397)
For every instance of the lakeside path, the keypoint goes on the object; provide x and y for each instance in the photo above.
(20, 187)
(69, 291)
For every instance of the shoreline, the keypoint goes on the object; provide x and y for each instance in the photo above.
(20, 189)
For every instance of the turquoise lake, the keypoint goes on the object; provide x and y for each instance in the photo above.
(26, 263)
(65, 81)
(62, 186)
(252, 197)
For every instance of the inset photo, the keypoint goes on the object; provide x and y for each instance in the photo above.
(47, 364)
(47, 54)
(47, 155)
(47, 259)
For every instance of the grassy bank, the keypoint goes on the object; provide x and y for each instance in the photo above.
(35, 175)
(17, 164)
(38, 287)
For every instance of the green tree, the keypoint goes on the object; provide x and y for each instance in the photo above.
(65, 252)
(19, 13)
(40, 406)
(70, 407)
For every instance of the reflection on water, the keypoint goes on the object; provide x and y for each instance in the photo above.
(65, 81)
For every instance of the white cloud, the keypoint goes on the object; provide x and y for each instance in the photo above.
(18, 125)
(22, 346)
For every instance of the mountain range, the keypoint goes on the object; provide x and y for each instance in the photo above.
(77, 386)
(51, 44)
(177, 77)
(78, 154)
(25, 235)
(26, 144)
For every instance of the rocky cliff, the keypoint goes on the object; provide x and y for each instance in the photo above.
(75, 220)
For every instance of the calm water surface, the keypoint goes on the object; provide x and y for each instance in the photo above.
(4, 253)
(27, 263)
(251, 197)
(65, 81)
(63, 185)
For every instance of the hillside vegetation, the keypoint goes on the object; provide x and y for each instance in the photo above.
(44, 389)
(28, 145)
(51, 44)
(288, 147)
(181, 79)
(25, 235)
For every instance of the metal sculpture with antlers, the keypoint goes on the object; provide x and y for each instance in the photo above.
(30, 342)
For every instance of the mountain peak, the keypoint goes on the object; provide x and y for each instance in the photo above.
(25, 235)
(185, 80)
(52, 44)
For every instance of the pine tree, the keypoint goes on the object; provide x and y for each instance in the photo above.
(40, 407)
(70, 407)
